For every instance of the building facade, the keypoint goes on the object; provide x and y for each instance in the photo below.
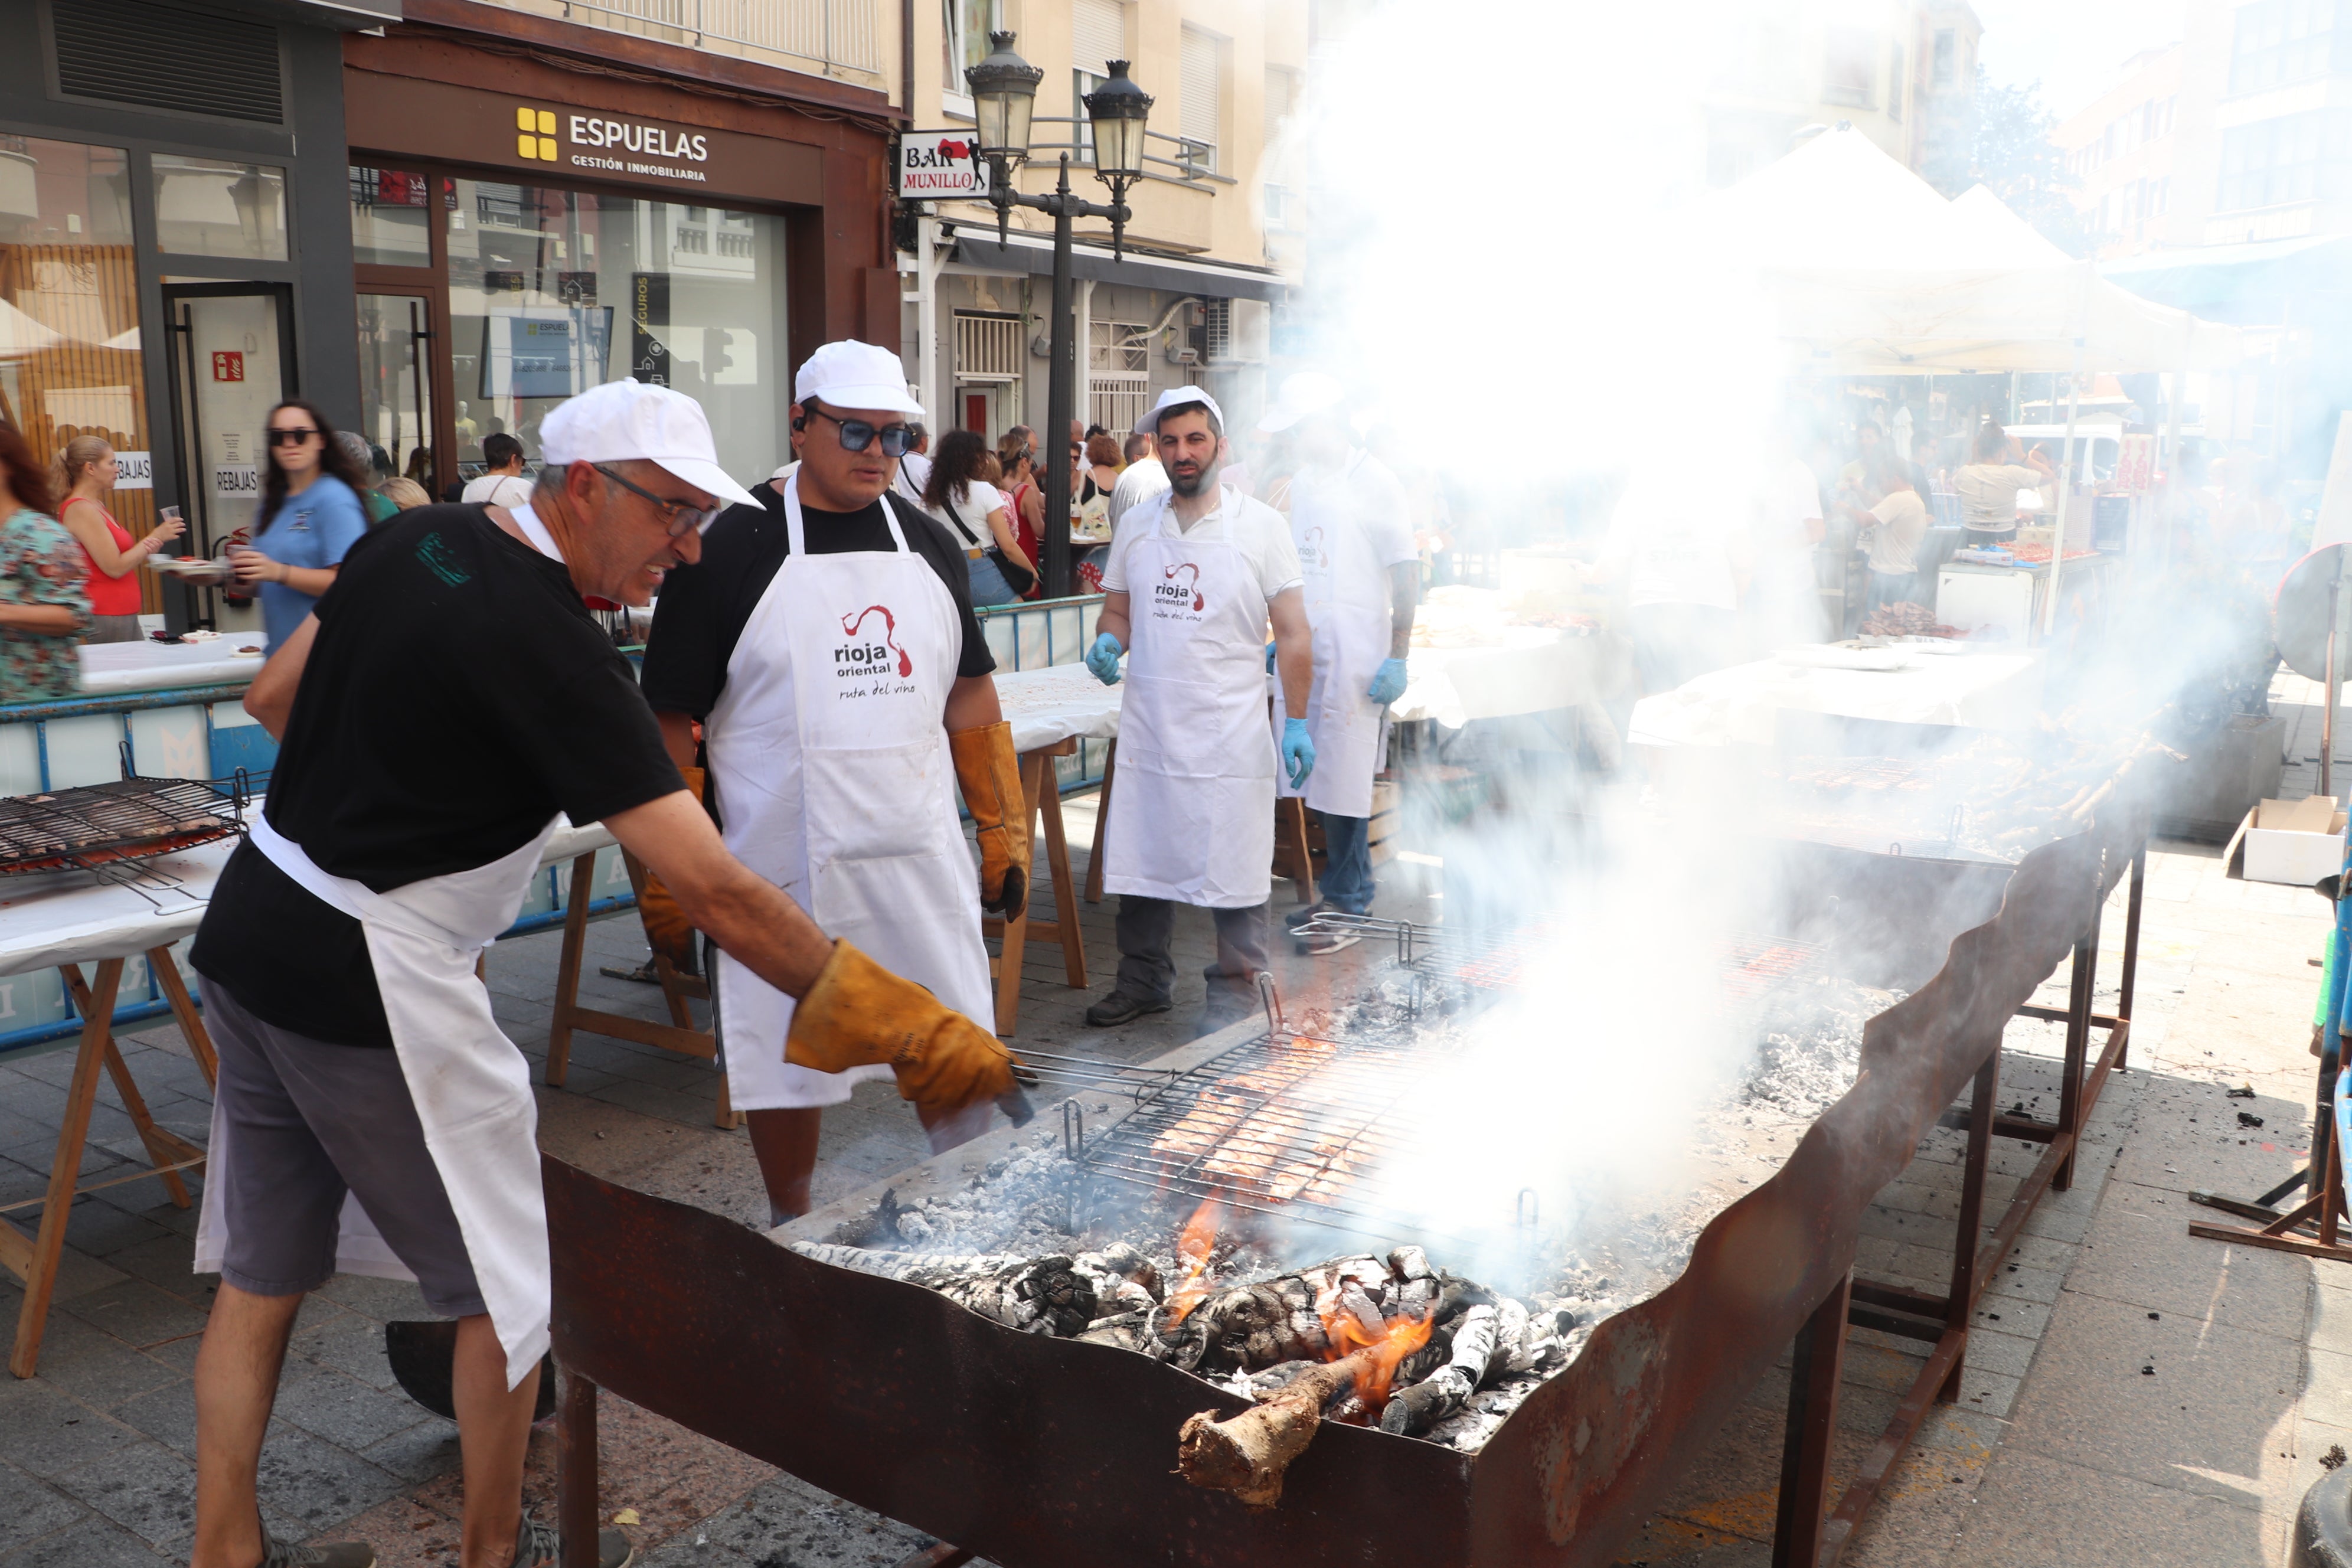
(171, 264)
(538, 205)
(1901, 71)
(1193, 299)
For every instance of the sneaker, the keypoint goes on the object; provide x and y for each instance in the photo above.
(1119, 1007)
(1300, 916)
(538, 1545)
(1322, 942)
(277, 1554)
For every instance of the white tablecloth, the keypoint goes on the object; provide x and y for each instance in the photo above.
(1047, 707)
(111, 667)
(1736, 706)
(1530, 670)
(68, 918)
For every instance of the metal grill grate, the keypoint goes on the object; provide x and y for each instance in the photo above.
(1753, 967)
(132, 818)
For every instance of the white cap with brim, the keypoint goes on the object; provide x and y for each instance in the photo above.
(1176, 397)
(851, 375)
(625, 421)
(1302, 395)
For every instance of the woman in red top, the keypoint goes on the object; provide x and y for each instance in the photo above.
(1016, 454)
(114, 556)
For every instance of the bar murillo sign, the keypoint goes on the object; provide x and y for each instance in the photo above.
(463, 124)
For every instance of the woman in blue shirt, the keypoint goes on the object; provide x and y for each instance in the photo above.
(310, 517)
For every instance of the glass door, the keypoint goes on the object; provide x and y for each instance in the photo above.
(232, 363)
(396, 385)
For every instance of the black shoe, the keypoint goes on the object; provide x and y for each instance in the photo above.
(538, 1546)
(1299, 917)
(1119, 1007)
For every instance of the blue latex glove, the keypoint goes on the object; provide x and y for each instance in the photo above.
(1103, 659)
(1269, 658)
(1388, 682)
(1298, 750)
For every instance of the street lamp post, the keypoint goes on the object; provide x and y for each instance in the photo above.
(1004, 94)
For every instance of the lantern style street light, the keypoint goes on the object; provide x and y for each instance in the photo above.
(1004, 100)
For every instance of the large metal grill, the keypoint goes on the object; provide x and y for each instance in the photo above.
(94, 827)
(1287, 1124)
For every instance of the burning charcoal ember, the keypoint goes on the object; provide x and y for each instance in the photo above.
(1130, 1264)
(1475, 1342)
(1409, 1263)
(1063, 1296)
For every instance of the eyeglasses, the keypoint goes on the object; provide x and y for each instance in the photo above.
(293, 435)
(684, 516)
(856, 435)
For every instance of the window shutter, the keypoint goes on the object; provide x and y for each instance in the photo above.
(165, 59)
(1097, 33)
(1204, 87)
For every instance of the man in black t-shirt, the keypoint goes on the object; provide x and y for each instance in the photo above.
(417, 782)
(828, 645)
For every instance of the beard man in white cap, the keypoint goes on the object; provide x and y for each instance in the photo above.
(828, 644)
(1353, 529)
(1196, 573)
(370, 1116)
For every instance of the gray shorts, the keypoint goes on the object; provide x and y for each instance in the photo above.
(305, 1121)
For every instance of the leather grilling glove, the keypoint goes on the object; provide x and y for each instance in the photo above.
(858, 1013)
(989, 775)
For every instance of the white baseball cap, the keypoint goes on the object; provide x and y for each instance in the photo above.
(623, 420)
(1176, 397)
(851, 375)
(1309, 392)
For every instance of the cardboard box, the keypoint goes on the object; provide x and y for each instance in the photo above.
(2296, 842)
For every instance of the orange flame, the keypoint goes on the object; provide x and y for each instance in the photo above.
(1390, 1344)
(1192, 1245)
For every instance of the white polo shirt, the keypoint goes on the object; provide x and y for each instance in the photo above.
(1255, 528)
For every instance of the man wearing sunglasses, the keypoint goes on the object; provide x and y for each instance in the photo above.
(370, 1117)
(826, 642)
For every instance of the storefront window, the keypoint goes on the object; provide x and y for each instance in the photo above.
(552, 292)
(204, 207)
(69, 357)
(391, 225)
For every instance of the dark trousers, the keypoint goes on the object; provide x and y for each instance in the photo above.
(1347, 885)
(1145, 928)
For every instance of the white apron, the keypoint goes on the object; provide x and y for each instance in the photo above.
(1347, 593)
(829, 751)
(470, 1085)
(1192, 818)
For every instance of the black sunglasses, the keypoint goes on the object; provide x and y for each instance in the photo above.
(683, 515)
(856, 435)
(291, 436)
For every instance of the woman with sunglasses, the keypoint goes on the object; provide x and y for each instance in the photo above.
(309, 517)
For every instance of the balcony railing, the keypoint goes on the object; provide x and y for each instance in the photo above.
(1181, 157)
(836, 35)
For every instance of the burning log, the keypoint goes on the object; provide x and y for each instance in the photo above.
(1248, 1455)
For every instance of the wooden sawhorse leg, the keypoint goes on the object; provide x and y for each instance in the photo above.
(1041, 798)
(1290, 845)
(1102, 816)
(566, 1015)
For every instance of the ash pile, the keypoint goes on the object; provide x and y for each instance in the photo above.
(1448, 1356)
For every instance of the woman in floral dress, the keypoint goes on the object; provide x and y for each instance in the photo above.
(43, 609)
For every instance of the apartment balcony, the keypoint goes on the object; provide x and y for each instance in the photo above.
(838, 38)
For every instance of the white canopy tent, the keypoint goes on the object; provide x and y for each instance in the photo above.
(1870, 272)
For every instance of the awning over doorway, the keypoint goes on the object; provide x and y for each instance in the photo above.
(1025, 252)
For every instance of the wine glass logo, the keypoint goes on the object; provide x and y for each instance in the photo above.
(850, 624)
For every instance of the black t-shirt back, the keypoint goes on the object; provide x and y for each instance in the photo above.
(458, 695)
(704, 608)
